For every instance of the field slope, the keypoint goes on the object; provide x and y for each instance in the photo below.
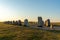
(14, 32)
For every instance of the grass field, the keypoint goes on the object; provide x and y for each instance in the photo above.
(14, 32)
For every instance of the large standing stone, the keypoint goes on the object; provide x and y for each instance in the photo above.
(40, 22)
(47, 23)
(26, 22)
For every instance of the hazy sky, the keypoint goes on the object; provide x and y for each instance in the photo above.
(30, 9)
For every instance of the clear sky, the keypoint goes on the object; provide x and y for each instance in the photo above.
(30, 9)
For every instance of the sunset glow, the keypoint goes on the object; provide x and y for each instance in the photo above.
(29, 9)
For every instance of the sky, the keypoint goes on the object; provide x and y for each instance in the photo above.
(30, 9)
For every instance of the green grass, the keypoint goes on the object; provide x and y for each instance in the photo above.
(14, 32)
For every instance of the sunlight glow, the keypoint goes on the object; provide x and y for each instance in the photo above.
(4, 12)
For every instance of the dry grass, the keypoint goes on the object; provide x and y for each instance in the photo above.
(14, 32)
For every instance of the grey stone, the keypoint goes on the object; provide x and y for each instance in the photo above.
(40, 22)
(19, 22)
(26, 23)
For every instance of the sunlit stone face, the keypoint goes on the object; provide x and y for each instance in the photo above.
(47, 23)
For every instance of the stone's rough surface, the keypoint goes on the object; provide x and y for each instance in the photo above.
(26, 22)
(40, 22)
(47, 23)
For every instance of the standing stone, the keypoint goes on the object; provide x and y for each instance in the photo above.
(19, 22)
(47, 23)
(40, 22)
(14, 23)
(26, 22)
